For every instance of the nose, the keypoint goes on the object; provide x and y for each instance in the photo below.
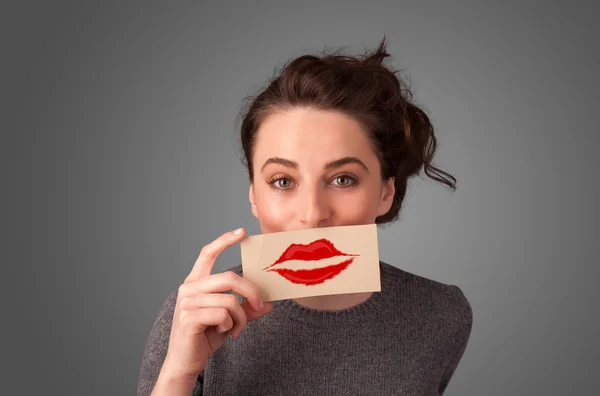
(314, 210)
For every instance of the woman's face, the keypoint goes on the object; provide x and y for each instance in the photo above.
(315, 168)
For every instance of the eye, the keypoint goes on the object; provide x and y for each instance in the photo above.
(281, 183)
(345, 180)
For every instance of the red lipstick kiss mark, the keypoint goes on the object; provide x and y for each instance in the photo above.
(315, 276)
(316, 250)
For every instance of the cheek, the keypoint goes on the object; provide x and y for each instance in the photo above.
(273, 211)
(357, 208)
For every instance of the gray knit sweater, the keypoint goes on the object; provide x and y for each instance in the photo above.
(405, 340)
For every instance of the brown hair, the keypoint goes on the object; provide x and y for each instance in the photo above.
(363, 87)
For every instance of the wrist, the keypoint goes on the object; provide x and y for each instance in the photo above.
(170, 382)
(172, 374)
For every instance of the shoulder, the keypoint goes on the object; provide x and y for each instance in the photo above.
(444, 301)
(166, 311)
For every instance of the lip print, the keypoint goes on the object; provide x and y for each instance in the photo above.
(316, 250)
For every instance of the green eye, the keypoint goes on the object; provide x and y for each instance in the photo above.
(281, 183)
(344, 181)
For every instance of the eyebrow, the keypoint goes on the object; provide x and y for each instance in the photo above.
(330, 165)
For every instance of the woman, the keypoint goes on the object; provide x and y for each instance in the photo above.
(330, 142)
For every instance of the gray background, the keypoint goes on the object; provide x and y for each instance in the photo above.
(120, 162)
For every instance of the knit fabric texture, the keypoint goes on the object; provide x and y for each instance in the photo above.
(405, 340)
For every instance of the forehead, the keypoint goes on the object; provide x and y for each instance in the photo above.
(311, 136)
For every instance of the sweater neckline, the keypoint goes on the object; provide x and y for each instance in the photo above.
(367, 310)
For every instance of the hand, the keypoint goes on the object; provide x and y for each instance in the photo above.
(204, 315)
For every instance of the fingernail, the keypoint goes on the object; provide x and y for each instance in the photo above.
(238, 231)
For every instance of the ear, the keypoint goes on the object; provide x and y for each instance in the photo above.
(387, 196)
(251, 198)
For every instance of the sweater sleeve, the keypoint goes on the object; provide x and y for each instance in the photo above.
(155, 350)
(463, 332)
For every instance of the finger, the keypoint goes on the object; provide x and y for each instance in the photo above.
(200, 319)
(224, 282)
(227, 301)
(252, 314)
(209, 253)
(225, 327)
